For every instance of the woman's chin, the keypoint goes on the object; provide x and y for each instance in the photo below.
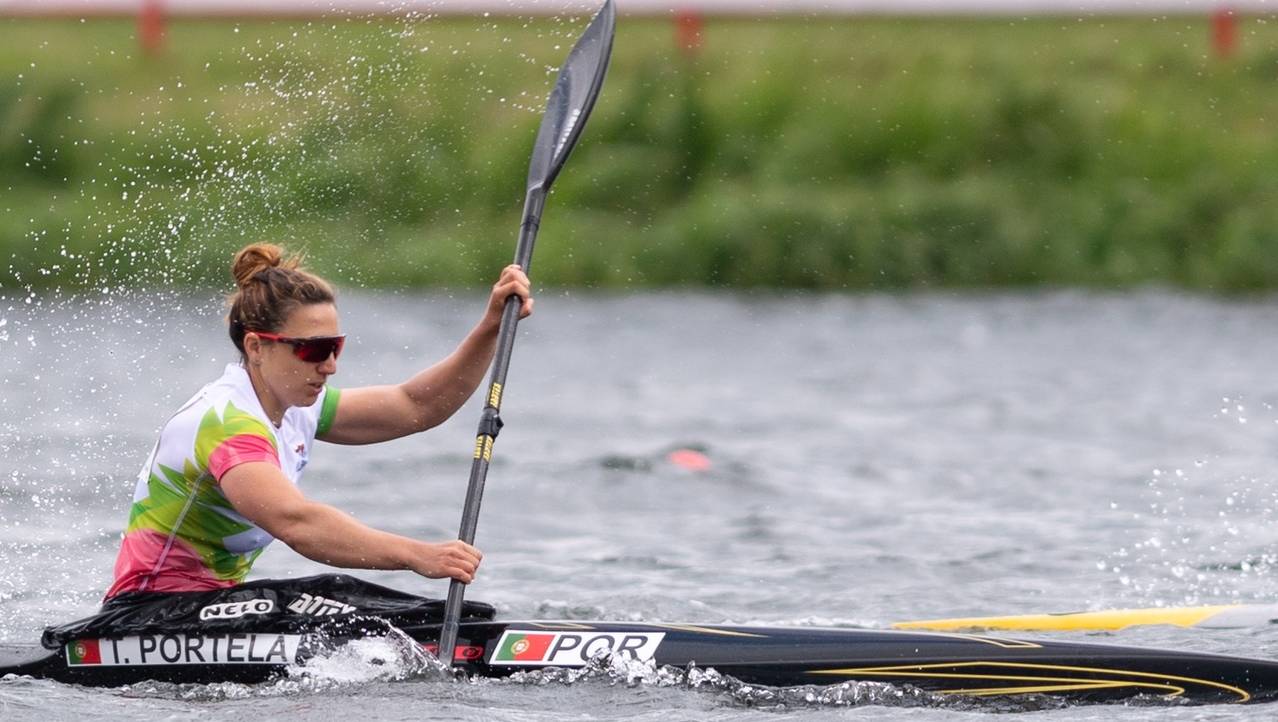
(307, 397)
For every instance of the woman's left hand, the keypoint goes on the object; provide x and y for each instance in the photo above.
(513, 282)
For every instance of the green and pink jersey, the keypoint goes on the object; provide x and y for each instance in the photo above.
(183, 534)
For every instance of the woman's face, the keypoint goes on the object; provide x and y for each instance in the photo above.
(290, 380)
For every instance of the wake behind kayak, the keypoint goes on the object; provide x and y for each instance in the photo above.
(257, 632)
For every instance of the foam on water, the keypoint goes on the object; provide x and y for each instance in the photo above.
(614, 669)
(394, 657)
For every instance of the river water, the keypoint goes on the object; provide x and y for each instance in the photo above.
(872, 458)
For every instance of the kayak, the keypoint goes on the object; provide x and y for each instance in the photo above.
(1222, 616)
(961, 664)
(263, 630)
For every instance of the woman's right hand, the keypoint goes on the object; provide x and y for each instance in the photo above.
(451, 559)
(512, 282)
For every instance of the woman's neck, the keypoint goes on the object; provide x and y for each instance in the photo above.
(271, 405)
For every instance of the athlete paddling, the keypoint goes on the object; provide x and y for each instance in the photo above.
(221, 483)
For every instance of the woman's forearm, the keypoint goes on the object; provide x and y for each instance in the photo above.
(324, 534)
(439, 391)
(371, 414)
(327, 535)
(379, 413)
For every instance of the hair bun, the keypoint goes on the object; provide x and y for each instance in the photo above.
(269, 285)
(253, 259)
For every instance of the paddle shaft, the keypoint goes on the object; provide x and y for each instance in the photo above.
(490, 419)
(567, 109)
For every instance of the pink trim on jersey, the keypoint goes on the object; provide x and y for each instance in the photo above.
(184, 570)
(240, 449)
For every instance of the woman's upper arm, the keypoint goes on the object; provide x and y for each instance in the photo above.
(260, 492)
(370, 414)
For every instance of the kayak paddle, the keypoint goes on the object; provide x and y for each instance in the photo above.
(570, 103)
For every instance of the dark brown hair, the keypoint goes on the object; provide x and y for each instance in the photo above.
(269, 285)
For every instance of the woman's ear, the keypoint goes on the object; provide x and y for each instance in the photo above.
(253, 348)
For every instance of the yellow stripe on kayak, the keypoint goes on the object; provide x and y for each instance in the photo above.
(1110, 619)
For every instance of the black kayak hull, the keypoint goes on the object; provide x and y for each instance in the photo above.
(959, 664)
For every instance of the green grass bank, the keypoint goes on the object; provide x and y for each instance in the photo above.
(806, 153)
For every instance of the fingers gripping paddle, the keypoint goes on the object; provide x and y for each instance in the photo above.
(569, 105)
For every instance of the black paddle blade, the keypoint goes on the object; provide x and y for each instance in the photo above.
(574, 96)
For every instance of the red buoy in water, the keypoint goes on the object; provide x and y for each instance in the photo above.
(689, 459)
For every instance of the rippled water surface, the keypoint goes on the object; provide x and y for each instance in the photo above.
(873, 458)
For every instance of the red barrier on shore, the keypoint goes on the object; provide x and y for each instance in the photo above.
(661, 8)
(688, 31)
(1224, 32)
(151, 27)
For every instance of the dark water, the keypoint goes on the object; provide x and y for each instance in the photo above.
(874, 458)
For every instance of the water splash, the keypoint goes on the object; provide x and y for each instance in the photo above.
(395, 657)
(614, 669)
(1202, 532)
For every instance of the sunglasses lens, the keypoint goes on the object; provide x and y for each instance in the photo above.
(317, 350)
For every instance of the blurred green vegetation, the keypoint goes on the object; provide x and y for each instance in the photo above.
(803, 153)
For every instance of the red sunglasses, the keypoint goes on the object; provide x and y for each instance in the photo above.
(313, 350)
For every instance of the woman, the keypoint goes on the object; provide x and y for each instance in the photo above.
(221, 483)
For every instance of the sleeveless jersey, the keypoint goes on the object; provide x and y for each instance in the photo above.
(183, 534)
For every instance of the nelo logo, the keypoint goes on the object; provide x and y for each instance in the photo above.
(231, 610)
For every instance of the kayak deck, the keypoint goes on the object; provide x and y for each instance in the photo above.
(963, 664)
(958, 664)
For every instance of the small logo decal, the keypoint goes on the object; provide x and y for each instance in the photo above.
(230, 610)
(84, 651)
(464, 652)
(572, 649)
(317, 606)
(568, 128)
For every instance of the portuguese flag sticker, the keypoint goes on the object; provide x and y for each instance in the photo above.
(523, 647)
(84, 651)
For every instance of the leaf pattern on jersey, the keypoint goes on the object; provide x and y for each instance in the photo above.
(214, 431)
(206, 523)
